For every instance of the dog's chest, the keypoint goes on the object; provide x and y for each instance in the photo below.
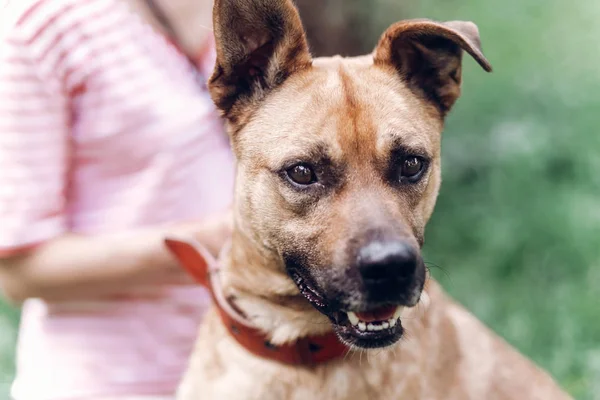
(221, 369)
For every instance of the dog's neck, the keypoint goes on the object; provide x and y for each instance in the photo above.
(256, 283)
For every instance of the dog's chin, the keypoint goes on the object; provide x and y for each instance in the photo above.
(368, 328)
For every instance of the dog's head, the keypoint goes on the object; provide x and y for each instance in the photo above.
(339, 159)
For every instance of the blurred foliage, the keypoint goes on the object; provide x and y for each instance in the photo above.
(8, 338)
(346, 27)
(515, 233)
(517, 224)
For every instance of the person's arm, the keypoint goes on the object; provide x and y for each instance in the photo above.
(75, 267)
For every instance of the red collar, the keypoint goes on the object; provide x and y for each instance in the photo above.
(306, 351)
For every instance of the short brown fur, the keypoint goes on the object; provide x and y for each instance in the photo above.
(347, 117)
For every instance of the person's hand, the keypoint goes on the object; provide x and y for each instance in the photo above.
(211, 232)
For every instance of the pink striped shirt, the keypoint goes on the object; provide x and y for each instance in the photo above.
(103, 128)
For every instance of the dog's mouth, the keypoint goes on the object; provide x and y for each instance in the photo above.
(378, 319)
(379, 327)
(369, 328)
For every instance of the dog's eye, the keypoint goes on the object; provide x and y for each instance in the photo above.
(412, 168)
(301, 174)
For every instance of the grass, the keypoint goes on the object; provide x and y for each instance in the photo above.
(517, 223)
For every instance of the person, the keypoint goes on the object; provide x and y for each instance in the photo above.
(108, 143)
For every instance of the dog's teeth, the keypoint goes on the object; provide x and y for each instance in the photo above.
(353, 318)
(376, 326)
(398, 313)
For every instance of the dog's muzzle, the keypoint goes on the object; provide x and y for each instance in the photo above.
(365, 300)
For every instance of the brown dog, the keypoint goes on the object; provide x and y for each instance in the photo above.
(338, 172)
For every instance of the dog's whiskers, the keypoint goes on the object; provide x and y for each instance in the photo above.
(360, 357)
(429, 265)
(393, 350)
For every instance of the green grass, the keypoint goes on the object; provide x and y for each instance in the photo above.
(517, 224)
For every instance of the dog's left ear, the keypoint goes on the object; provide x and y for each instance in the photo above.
(259, 44)
(428, 56)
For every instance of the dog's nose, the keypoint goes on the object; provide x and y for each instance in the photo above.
(379, 261)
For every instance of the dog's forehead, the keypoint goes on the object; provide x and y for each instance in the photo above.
(347, 106)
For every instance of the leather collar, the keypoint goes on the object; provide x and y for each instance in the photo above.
(311, 350)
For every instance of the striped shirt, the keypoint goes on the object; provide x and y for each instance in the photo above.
(103, 128)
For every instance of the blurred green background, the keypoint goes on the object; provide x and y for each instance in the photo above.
(517, 225)
(516, 229)
(8, 337)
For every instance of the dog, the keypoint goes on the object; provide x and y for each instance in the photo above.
(338, 170)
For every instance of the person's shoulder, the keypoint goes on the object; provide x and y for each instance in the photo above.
(30, 16)
(11, 11)
(19, 12)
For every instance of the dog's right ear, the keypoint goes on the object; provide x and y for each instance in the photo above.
(428, 56)
(259, 44)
